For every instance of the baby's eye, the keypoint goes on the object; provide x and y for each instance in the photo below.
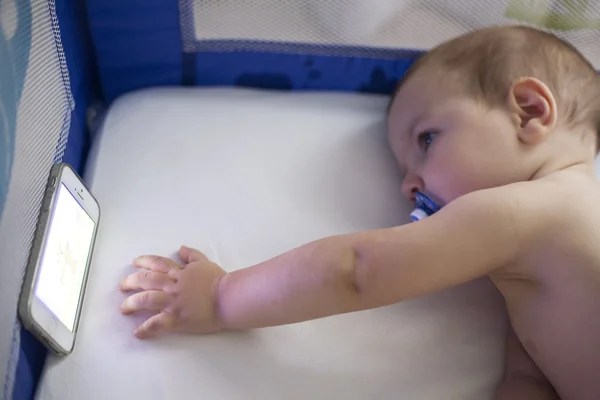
(425, 139)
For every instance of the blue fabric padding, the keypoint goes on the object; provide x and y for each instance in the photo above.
(302, 72)
(32, 355)
(137, 43)
(76, 43)
(317, 49)
(85, 85)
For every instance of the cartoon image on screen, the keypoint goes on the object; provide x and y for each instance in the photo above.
(64, 258)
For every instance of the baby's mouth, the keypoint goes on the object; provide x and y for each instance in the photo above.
(424, 207)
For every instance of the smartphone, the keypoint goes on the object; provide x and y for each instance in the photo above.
(59, 261)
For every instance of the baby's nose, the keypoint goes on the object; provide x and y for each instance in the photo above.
(412, 184)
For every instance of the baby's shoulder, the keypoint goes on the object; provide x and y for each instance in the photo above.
(578, 202)
(557, 221)
(565, 198)
(574, 197)
(551, 211)
(564, 211)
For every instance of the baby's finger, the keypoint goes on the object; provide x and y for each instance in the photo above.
(155, 325)
(189, 255)
(151, 300)
(156, 263)
(145, 280)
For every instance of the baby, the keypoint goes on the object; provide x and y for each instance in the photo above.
(499, 128)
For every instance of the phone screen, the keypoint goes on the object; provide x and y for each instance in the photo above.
(64, 257)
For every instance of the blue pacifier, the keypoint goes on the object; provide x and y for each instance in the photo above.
(424, 207)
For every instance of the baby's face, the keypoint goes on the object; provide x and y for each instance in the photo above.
(449, 145)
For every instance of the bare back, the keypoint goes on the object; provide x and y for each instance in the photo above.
(553, 293)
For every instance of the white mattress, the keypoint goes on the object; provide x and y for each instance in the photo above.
(244, 176)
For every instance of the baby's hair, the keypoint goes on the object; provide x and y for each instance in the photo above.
(485, 63)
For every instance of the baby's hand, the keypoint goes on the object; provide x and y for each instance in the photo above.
(183, 296)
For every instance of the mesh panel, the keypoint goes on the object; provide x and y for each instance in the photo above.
(35, 97)
(377, 24)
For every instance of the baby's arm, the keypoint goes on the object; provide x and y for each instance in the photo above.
(523, 380)
(469, 238)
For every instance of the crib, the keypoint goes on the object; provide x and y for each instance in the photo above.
(243, 128)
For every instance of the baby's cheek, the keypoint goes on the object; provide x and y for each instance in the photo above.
(450, 185)
(450, 175)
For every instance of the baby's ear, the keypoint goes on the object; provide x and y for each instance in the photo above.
(535, 108)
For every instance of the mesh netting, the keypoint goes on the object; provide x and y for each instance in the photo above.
(377, 25)
(36, 105)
